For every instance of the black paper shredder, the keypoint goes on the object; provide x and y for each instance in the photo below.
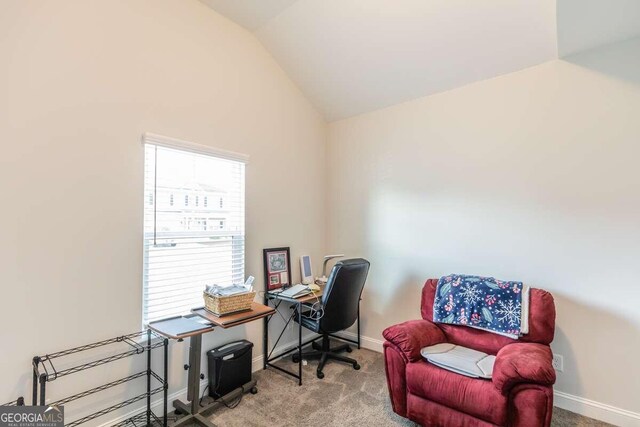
(229, 367)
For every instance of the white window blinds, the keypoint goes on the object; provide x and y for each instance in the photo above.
(193, 224)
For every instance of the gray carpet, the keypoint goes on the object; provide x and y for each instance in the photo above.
(345, 397)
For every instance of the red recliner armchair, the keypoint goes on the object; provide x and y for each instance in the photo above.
(519, 394)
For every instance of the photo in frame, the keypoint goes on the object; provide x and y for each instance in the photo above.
(277, 268)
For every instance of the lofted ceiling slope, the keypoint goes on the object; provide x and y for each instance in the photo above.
(251, 14)
(587, 24)
(354, 56)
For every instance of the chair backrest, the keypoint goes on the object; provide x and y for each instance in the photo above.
(542, 321)
(341, 296)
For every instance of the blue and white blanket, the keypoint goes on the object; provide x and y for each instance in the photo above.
(482, 302)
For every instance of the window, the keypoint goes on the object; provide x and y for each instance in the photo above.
(183, 253)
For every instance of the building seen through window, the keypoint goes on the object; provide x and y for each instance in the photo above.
(191, 245)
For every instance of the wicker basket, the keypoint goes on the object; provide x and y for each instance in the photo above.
(222, 305)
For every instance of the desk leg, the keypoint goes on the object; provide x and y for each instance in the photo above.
(166, 382)
(193, 381)
(182, 407)
(358, 325)
(265, 339)
(299, 344)
(195, 347)
(193, 420)
(200, 419)
(148, 377)
(193, 409)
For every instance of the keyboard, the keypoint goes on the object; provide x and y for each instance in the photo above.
(296, 291)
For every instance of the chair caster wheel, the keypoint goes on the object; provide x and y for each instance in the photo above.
(295, 359)
(320, 375)
(356, 366)
(254, 390)
(349, 349)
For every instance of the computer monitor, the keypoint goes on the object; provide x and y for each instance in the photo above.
(305, 269)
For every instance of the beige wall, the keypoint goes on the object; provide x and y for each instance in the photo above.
(530, 176)
(80, 81)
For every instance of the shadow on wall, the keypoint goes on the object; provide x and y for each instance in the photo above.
(404, 295)
(604, 341)
(602, 337)
(539, 185)
(22, 388)
(619, 60)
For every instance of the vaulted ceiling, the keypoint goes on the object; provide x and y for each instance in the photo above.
(587, 24)
(354, 56)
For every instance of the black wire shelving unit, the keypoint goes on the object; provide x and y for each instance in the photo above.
(44, 372)
(18, 402)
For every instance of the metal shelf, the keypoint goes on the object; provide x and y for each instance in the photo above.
(44, 371)
(104, 387)
(46, 361)
(123, 338)
(113, 408)
(139, 420)
(18, 402)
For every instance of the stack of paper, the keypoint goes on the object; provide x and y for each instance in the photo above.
(225, 291)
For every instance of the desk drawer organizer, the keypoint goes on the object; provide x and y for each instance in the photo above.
(221, 305)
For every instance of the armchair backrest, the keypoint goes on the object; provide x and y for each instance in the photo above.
(542, 321)
(341, 297)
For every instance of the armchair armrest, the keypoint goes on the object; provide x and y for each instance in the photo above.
(523, 363)
(410, 337)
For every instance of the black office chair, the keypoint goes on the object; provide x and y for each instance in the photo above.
(337, 311)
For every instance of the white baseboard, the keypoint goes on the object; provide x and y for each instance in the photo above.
(258, 362)
(579, 405)
(365, 342)
(599, 411)
(156, 405)
(256, 365)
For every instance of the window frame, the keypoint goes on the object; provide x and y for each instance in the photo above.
(182, 145)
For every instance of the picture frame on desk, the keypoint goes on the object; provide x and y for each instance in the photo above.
(277, 268)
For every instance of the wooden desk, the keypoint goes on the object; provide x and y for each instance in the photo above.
(312, 297)
(258, 311)
(165, 328)
(194, 330)
(277, 298)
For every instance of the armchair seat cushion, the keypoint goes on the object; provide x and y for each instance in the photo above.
(474, 396)
(459, 359)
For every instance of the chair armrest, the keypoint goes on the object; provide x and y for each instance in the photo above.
(410, 337)
(523, 363)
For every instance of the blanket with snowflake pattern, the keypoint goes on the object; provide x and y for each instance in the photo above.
(481, 302)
